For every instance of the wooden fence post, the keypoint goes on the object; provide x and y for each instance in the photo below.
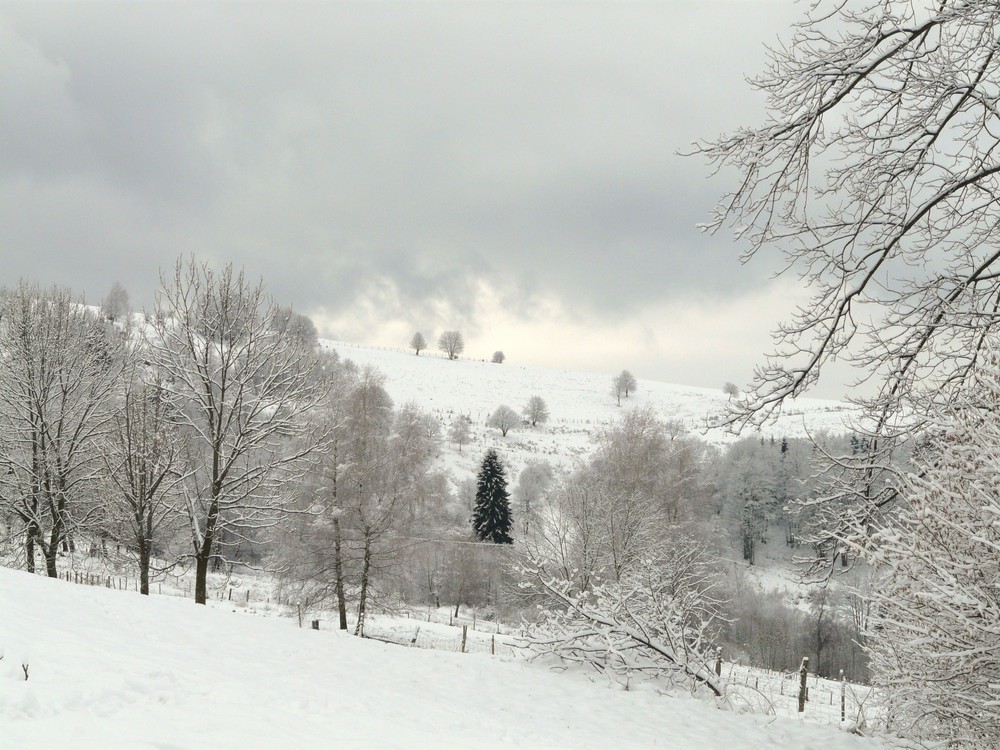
(803, 675)
(718, 661)
(465, 634)
(843, 696)
(493, 645)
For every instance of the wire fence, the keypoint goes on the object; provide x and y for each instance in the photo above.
(479, 632)
(826, 700)
(463, 640)
(748, 688)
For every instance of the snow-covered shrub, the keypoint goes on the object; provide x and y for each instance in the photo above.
(935, 634)
(658, 620)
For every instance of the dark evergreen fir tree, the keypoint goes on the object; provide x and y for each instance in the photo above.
(491, 517)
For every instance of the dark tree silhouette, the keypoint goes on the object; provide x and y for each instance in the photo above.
(491, 518)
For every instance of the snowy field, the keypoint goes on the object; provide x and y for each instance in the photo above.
(580, 404)
(111, 669)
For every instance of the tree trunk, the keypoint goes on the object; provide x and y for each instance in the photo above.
(51, 549)
(50, 561)
(203, 556)
(145, 541)
(201, 577)
(338, 571)
(144, 568)
(29, 547)
(359, 629)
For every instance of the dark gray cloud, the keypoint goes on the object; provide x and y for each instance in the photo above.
(416, 148)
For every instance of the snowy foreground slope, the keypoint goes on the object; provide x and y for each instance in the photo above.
(111, 669)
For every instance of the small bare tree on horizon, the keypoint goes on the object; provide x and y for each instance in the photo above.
(622, 385)
(451, 343)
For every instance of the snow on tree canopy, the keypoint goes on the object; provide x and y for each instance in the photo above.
(491, 518)
(935, 635)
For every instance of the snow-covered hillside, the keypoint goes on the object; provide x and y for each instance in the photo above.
(580, 403)
(111, 669)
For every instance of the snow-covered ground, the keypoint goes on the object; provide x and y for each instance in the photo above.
(111, 669)
(580, 404)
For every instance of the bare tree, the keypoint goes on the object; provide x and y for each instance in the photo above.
(115, 305)
(141, 461)
(892, 227)
(731, 389)
(568, 533)
(622, 385)
(316, 560)
(877, 174)
(747, 479)
(629, 383)
(451, 343)
(459, 432)
(536, 411)
(503, 419)
(383, 483)
(660, 619)
(498, 357)
(296, 326)
(418, 342)
(367, 480)
(610, 515)
(532, 484)
(858, 162)
(60, 368)
(239, 388)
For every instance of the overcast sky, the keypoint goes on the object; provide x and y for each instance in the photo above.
(506, 169)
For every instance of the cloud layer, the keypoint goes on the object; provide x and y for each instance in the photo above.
(384, 167)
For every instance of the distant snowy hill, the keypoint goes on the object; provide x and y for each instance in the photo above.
(580, 404)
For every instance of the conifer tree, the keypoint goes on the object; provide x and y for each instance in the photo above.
(491, 518)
